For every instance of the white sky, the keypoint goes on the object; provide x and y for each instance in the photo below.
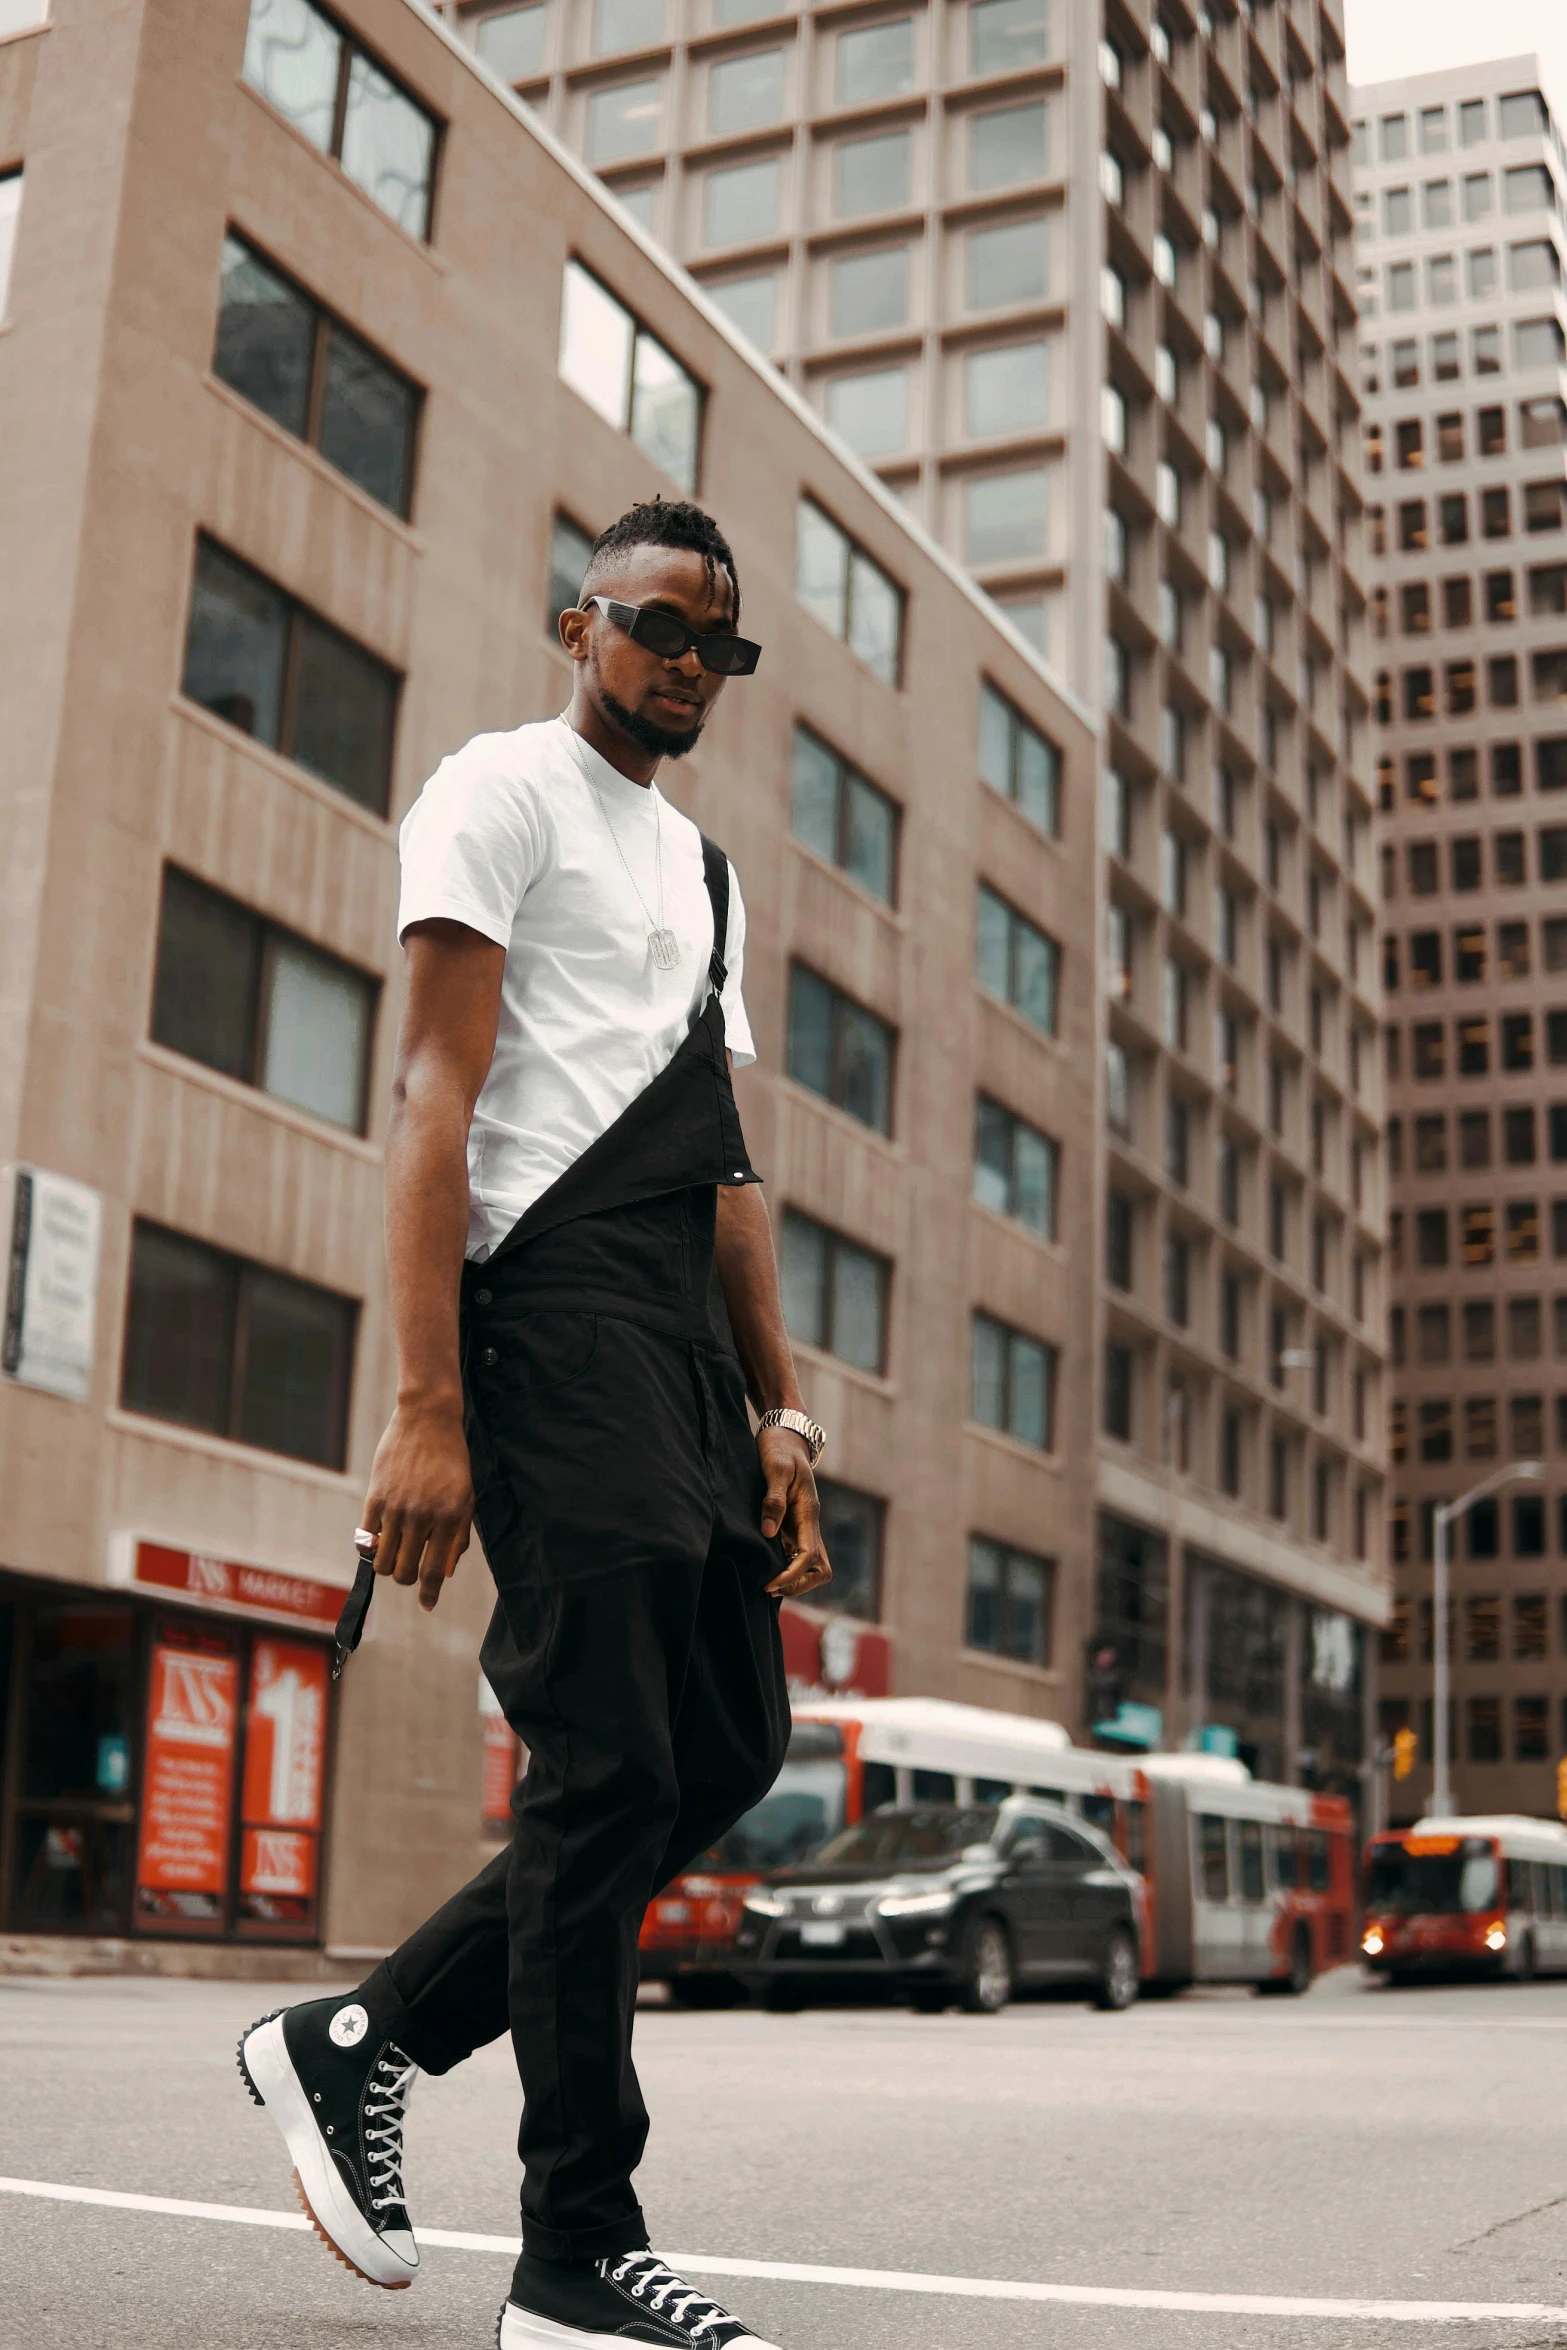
(1390, 38)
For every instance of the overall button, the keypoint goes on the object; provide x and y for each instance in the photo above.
(489, 1358)
(482, 1297)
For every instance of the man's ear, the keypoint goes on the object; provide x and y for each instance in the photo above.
(573, 626)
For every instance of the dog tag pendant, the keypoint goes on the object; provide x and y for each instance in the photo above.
(664, 948)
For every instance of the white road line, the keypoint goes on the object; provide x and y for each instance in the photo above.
(880, 2280)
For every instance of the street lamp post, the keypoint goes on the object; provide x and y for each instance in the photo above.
(1516, 1473)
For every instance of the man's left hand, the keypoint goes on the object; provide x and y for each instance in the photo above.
(791, 1508)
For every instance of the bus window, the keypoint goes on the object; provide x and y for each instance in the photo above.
(1215, 1849)
(1050, 1794)
(1523, 1887)
(1457, 1876)
(1099, 1812)
(935, 1787)
(1318, 1875)
(992, 1790)
(1281, 1851)
(1251, 1860)
(1134, 1835)
(878, 1785)
(1558, 1876)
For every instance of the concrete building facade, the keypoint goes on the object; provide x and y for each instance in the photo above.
(1461, 197)
(1076, 281)
(318, 361)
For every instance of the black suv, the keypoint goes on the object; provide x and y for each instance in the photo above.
(949, 1904)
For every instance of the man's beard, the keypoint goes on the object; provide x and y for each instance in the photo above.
(661, 740)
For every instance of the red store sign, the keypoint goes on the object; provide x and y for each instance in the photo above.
(834, 1655)
(228, 1585)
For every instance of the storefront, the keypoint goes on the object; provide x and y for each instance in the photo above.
(164, 1743)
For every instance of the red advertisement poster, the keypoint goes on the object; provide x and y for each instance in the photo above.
(284, 1781)
(187, 1792)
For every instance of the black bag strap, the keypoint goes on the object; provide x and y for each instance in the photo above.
(351, 1622)
(715, 872)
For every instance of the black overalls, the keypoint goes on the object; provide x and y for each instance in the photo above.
(634, 1648)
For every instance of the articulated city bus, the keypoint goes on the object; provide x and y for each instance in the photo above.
(1251, 1883)
(1243, 1883)
(1485, 1896)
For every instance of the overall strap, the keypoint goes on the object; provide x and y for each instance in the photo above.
(715, 872)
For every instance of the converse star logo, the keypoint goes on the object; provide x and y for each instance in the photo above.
(348, 2027)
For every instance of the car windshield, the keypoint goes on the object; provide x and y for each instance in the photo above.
(803, 1807)
(899, 1836)
(1453, 1875)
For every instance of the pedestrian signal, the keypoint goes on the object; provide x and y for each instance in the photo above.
(1406, 1745)
(1561, 1787)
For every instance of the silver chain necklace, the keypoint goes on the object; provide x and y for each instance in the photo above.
(662, 943)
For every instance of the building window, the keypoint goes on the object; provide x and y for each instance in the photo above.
(848, 592)
(854, 1533)
(1007, 265)
(241, 995)
(274, 669)
(1118, 1391)
(1018, 761)
(745, 92)
(844, 818)
(511, 42)
(1007, 145)
(1006, 390)
(742, 202)
(234, 1348)
(869, 292)
(1015, 1168)
(872, 175)
(1120, 1226)
(870, 410)
(840, 1050)
(299, 365)
(323, 83)
(10, 215)
(624, 121)
(1014, 1383)
(834, 1293)
(1017, 963)
(1006, 516)
(570, 551)
(628, 377)
(619, 25)
(1009, 1591)
(874, 61)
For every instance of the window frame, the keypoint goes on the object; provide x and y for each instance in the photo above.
(843, 1007)
(834, 1243)
(352, 46)
(1005, 1556)
(324, 320)
(638, 335)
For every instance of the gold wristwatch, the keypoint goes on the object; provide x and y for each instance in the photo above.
(802, 1424)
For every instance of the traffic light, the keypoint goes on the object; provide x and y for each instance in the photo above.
(1406, 1745)
(1561, 1787)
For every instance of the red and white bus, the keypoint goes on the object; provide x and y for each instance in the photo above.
(1197, 1828)
(1484, 1895)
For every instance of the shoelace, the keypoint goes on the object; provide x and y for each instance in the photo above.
(659, 2286)
(386, 2101)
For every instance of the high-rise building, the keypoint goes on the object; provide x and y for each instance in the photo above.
(1076, 282)
(1461, 202)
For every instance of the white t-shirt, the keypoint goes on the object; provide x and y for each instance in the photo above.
(515, 835)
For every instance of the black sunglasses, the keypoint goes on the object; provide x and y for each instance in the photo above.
(662, 633)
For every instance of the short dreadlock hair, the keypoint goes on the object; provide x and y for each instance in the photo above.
(673, 522)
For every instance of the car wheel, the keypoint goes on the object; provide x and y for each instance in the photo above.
(987, 1968)
(705, 1991)
(783, 1998)
(1116, 1989)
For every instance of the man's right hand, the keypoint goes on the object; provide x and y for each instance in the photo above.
(420, 1503)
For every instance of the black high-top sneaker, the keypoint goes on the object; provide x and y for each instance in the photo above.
(630, 2297)
(338, 2094)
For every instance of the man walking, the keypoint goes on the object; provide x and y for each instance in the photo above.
(583, 1296)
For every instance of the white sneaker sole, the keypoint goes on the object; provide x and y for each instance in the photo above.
(381, 2260)
(522, 2329)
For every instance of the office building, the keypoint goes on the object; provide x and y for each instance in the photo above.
(321, 365)
(1461, 198)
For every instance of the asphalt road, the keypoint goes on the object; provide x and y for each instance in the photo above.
(1358, 2145)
